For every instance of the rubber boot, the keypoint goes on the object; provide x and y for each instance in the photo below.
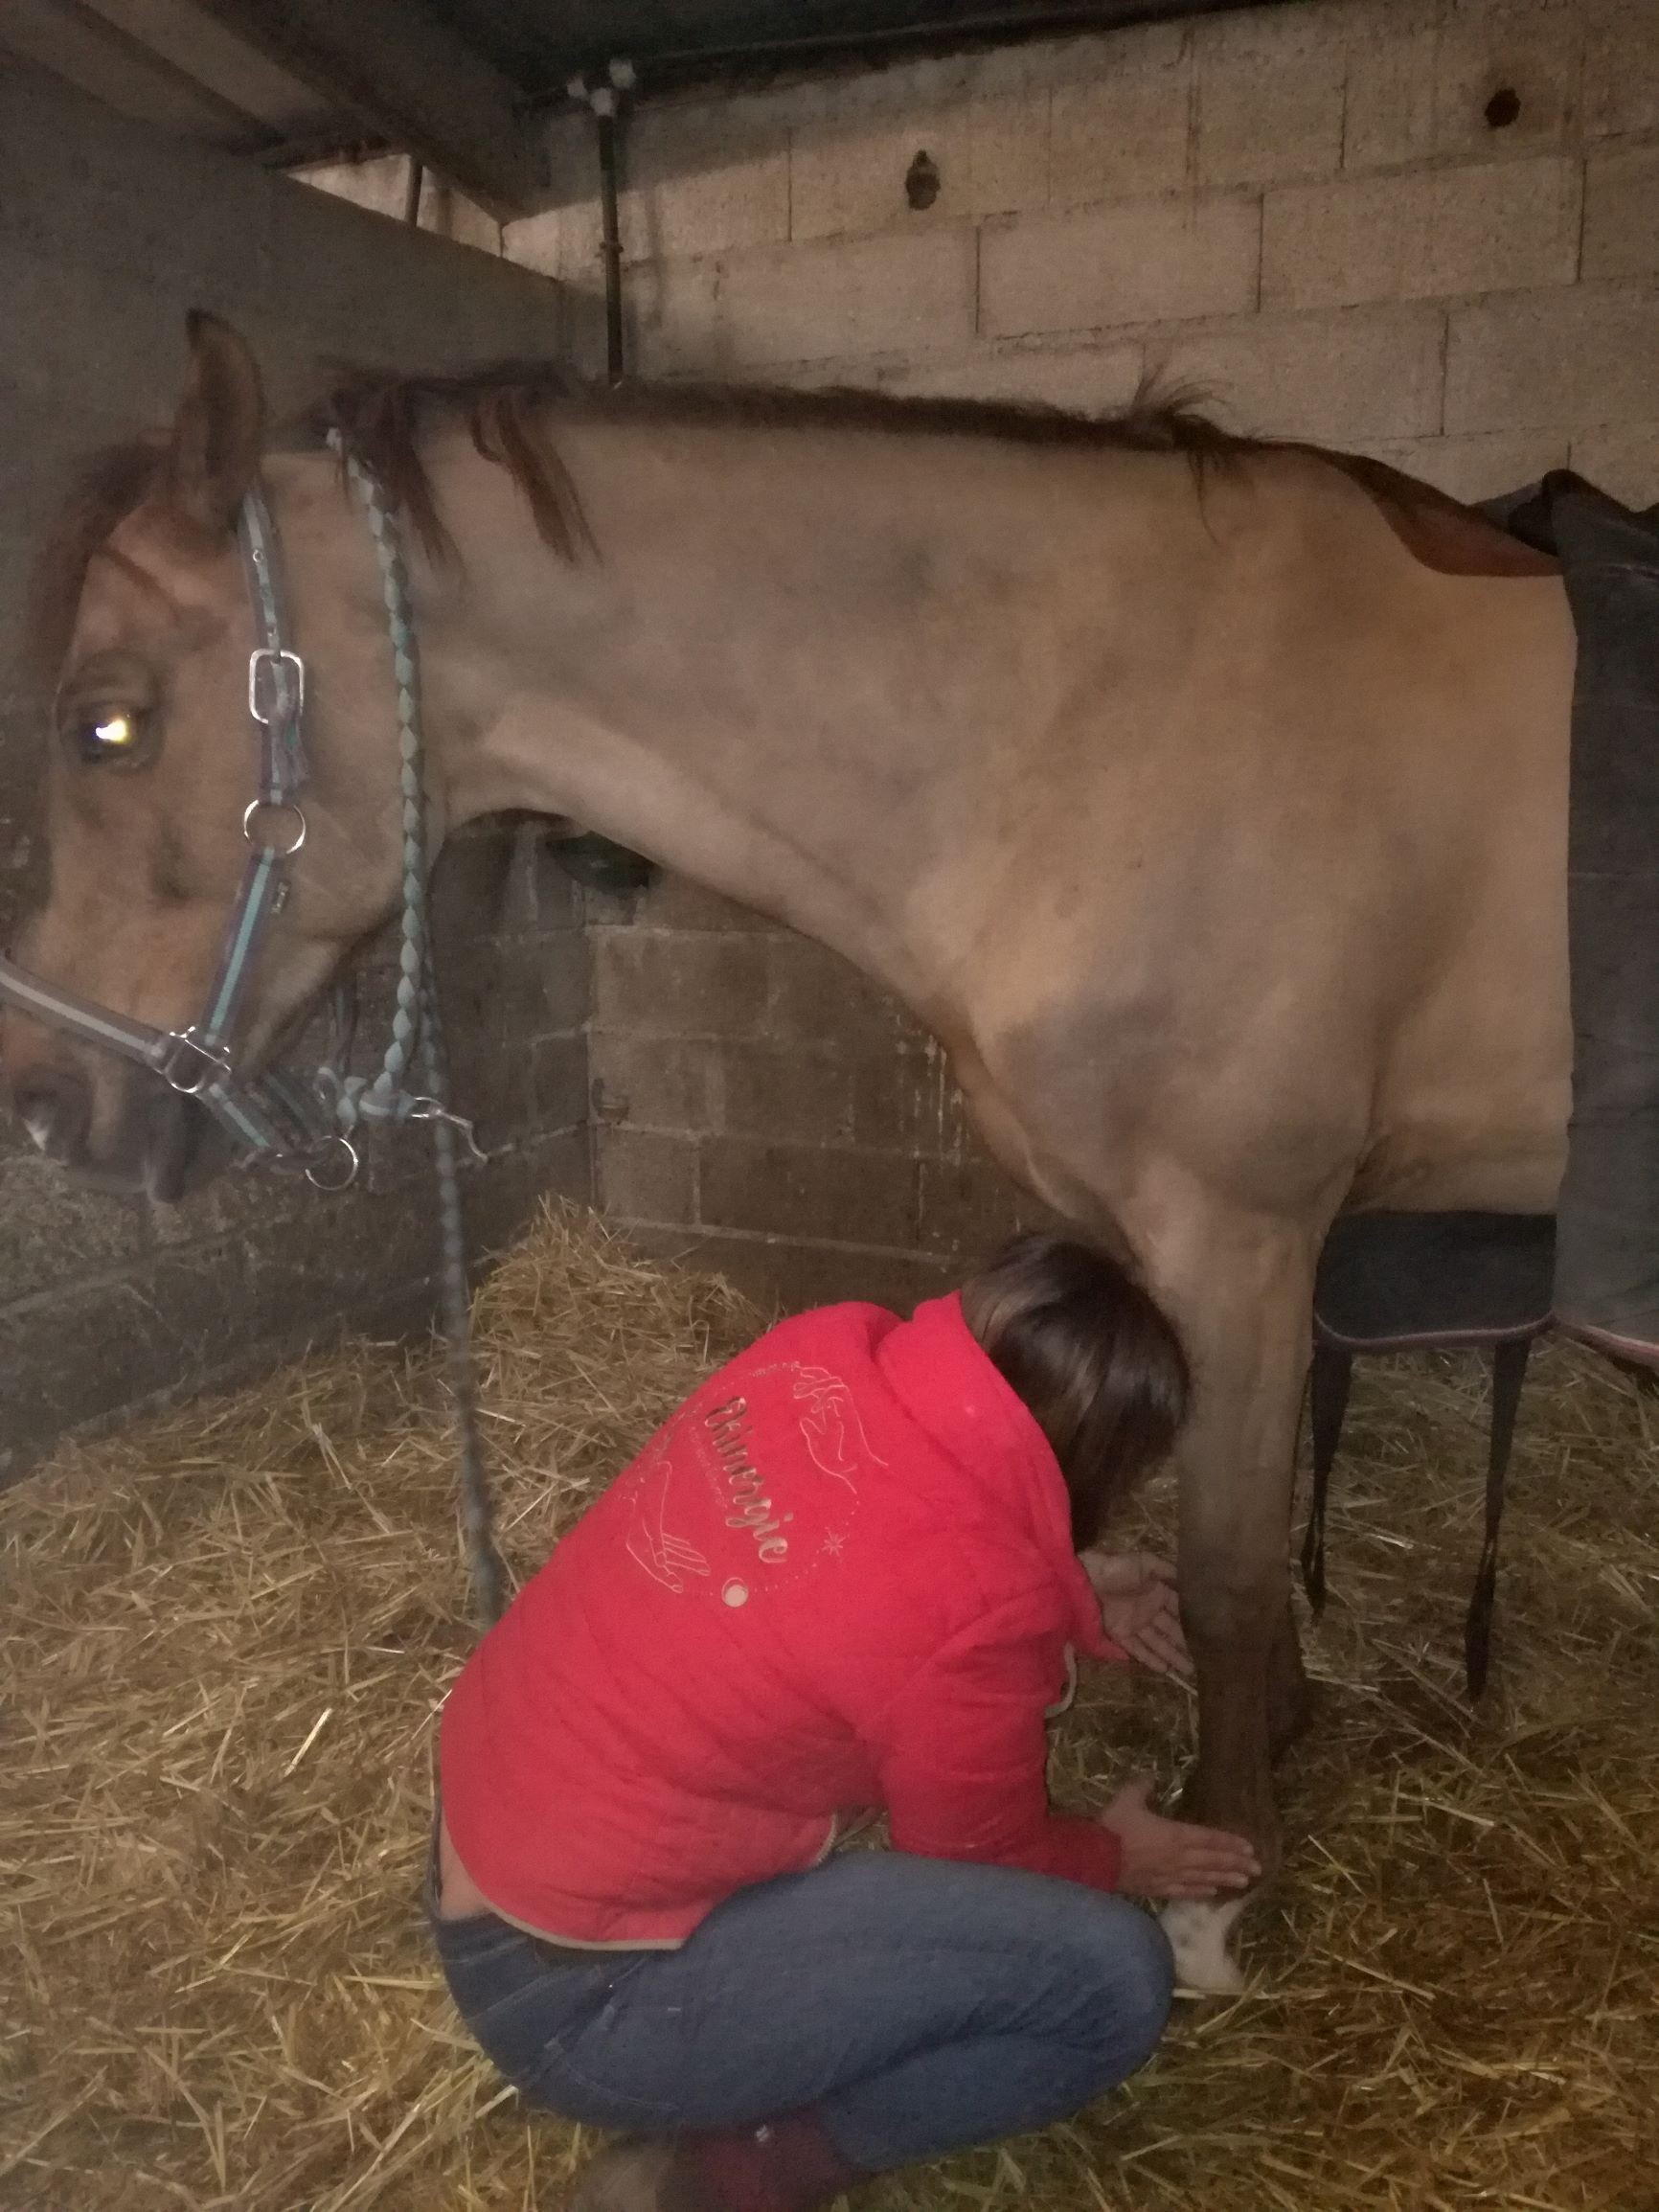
(788, 2165)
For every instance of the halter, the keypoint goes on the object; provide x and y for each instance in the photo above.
(276, 1118)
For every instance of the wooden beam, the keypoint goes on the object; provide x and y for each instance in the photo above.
(412, 82)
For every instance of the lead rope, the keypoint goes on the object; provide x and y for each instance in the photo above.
(415, 1025)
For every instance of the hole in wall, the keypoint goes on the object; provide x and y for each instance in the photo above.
(1503, 108)
(921, 182)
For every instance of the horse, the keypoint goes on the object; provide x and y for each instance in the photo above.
(1206, 798)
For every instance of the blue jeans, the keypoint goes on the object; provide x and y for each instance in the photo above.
(918, 2005)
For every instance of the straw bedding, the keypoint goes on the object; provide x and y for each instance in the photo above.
(228, 1632)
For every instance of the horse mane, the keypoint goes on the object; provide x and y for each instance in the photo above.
(503, 408)
(386, 420)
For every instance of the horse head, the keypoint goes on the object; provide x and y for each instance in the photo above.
(146, 627)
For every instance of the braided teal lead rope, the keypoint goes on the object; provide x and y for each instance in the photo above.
(385, 1098)
(489, 1590)
(415, 1023)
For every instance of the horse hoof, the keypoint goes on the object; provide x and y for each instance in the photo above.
(1198, 1936)
(630, 2177)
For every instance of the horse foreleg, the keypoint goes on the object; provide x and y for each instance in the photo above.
(1244, 1291)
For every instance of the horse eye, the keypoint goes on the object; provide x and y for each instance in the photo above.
(113, 736)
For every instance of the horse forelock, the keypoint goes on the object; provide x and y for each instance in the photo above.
(111, 484)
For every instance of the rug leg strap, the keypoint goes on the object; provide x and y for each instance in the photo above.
(1509, 1374)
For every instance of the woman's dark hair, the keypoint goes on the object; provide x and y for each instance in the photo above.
(1093, 1357)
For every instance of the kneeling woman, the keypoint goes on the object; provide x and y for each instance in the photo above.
(845, 1575)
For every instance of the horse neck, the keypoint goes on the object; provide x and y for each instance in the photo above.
(776, 673)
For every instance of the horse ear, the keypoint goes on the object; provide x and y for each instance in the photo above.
(219, 430)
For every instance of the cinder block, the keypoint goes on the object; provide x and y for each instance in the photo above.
(966, 1208)
(816, 997)
(644, 1083)
(562, 241)
(501, 1200)
(806, 1190)
(907, 1101)
(1620, 85)
(646, 1178)
(1124, 131)
(1479, 468)
(1389, 114)
(1096, 380)
(1624, 461)
(1269, 96)
(1492, 229)
(1343, 379)
(903, 292)
(531, 990)
(704, 180)
(1569, 359)
(559, 1083)
(848, 169)
(674, 321)
(661, 983)
(1148, 260)
(1527, 48)
(899, 294)
(676, 902)
(786, 1277)
(1621, 211)
(786, 1094)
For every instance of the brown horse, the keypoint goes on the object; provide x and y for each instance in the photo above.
(1207, 800)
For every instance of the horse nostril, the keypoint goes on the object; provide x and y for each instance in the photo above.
(55, 1109)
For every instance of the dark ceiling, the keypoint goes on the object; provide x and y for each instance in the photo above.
(541, 43)
(461, 84)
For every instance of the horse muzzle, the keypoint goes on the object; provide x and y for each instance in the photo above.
(116, 1128)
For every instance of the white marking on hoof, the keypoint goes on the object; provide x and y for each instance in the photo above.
(1198, 1936)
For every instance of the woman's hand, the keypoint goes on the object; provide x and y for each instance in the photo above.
(1172, 1857)
(1139, 1608)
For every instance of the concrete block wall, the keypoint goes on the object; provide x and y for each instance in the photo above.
(756, 1100)
(108, 233)
(1424, 229)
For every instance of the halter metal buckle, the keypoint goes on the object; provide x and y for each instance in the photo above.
(271, 702)
(213, 1062)
(258, 807)
(345, 1175)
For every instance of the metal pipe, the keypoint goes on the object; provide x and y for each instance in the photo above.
(606, 102)
(412, 192)
(604, 111)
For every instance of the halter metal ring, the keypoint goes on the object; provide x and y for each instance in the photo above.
(345, 1173)
(283, 690)
(256, 806)
(190, 1064)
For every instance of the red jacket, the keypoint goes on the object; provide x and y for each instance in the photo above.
(840, 1577)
